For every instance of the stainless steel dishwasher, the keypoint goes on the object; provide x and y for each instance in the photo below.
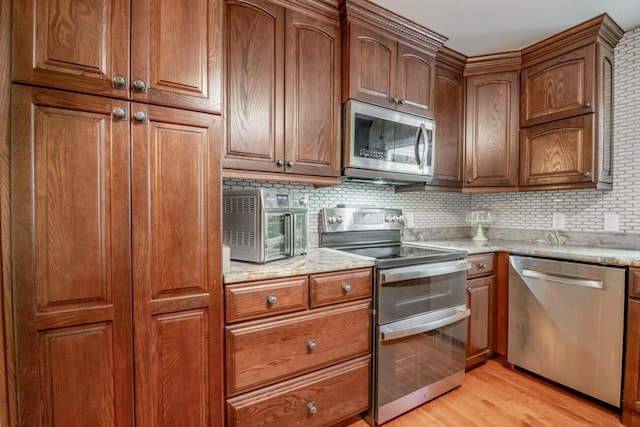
(566, 323)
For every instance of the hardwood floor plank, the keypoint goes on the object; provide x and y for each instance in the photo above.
(496, 395)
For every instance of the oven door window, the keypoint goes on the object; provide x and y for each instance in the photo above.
(399, 300)
(408, 364)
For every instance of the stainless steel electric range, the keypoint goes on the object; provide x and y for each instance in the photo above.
(419, 309)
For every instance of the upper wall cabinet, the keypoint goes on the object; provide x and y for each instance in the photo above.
(282, 89)
(389, 61)
(491, 139)
(154, 51)
(566, 114)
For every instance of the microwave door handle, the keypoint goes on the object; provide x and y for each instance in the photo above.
(288, 234)
(429, 145)
(420, 159)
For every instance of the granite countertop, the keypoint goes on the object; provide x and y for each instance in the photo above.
(317, 260)
(597, 255)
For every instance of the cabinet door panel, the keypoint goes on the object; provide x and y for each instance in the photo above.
(492, 130)
(75, 45)
(479, 323)
(416, 79)
(559, 152)
(254, 85)
(372, 66)
(449, 117)
(312, 69)
(177, 51)
(631, 398)
(559, 87)
(177, 276)
(71, 247)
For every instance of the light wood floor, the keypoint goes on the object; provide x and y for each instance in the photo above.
(495, 395)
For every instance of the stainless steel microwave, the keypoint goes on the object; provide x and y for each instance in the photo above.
(387, 145)
(262, 225)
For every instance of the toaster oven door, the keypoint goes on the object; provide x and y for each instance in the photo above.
(285, 234)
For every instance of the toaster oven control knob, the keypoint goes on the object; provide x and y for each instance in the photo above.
(271, 299)
(311, 344)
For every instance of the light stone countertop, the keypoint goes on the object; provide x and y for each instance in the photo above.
(596, 255)
(317, 260)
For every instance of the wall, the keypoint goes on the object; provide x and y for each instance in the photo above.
(584, 210)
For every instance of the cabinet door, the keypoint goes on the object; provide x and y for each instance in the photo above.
(176, 53)
(631, 397)
(254, 49)
(312, 69)
(71, 259)
(415, 81)
(449, 115)
(67, 44)
(559, 87)
(558, 153)
(492, 130)
(372, 66)
(479, 325)
(177, 278)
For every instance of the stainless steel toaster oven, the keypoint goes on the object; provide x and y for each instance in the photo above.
(262, 225)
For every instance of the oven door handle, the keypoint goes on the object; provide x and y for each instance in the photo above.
(420, 271)
(388, 333)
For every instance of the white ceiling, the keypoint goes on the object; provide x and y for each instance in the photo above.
(476, 27)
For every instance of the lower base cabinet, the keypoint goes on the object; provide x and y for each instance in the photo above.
(480, 295)
(298, 349)
(316, 399)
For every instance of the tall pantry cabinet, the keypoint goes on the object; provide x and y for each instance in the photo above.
(115, 180)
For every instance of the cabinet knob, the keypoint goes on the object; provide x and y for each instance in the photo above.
(290, 163)
(394, 100)
(587, 174)
(311, 408)
(401, 101)
(139, 85)
(481, 266)
(346, 287)
(119, 113)
(271, 299)
(140, 117)
(587, 104)
(311, 344)
(468, 180)
(119, 82)
(468, 289)
(280, 163)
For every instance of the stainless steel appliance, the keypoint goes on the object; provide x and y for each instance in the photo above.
(262, 225)
(419, 308)
(387, 145)
(566, 323)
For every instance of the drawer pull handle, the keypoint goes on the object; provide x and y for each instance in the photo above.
(311, 408)
(346, 287)
(311, 344)
(271, 299)
(481, 266)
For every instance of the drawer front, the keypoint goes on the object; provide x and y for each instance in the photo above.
(480, 265)
(261, 299)
(331, 288)
(335, 393)
(262, 353)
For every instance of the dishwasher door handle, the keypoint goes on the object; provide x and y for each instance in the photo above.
(568, 280)
(388, 333)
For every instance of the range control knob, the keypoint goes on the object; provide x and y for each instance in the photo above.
(387, 218)
(401, 218)
(303, 200)
(339, 220)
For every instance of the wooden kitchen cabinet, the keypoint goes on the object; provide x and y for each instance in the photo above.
(155, 51)
(491, 151)
(282, 90)
(309, 366)
(480, 300)
(631, 382)
(566, 111)
(116, 255)
(389, 61)
(449, 116)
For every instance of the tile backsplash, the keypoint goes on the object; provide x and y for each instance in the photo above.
(583, 210)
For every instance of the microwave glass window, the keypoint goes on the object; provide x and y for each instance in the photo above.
(382, 139)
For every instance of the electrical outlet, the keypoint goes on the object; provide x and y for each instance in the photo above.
(558, 221)
(611, 222)
(409, 218)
